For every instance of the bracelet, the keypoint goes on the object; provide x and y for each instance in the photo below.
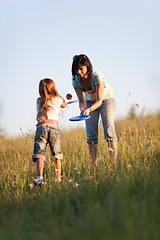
(90, 109)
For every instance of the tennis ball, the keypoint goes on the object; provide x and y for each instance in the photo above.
(69, 96)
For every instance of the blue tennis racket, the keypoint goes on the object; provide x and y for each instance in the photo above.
(79, 118)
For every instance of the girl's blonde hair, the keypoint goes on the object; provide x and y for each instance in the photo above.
(47, 90)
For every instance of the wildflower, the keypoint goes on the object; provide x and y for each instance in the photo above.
(14, 184)
(111, 149)
(75, 169)
(75, 184)
(31, 185)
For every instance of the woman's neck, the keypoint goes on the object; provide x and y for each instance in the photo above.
(86, 84)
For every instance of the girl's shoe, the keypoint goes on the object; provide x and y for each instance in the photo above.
(58, 179)
(39, 183)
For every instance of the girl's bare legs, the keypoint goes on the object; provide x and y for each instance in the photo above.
(93, 150)
(39, 167)
(113, 150)
(58, 167)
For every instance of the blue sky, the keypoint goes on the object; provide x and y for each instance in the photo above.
(39, 39)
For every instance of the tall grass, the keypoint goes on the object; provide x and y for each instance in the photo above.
(108, 202)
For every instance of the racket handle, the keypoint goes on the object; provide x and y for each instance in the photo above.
(72, 102)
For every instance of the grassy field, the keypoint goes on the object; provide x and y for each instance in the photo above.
(119, 201)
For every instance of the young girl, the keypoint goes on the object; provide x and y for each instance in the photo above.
(48, 106)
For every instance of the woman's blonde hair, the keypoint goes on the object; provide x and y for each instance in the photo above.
(47, 90)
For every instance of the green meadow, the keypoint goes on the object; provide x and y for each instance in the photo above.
(112, 201)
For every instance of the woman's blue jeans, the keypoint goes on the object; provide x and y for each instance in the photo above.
(106, 111)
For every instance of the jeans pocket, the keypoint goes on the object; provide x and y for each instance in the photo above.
(41, 132)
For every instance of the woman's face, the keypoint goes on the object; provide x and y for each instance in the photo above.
(82, 72)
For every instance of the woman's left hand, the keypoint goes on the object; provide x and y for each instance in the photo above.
(87, 111)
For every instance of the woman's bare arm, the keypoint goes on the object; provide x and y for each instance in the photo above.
(99, 98)
(82, 102)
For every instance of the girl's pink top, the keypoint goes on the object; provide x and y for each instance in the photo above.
(54, 106)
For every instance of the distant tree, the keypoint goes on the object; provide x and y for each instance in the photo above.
(1, 130)
(132, 111)
(142, 113)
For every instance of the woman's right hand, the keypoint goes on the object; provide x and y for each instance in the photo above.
(87, 111)
(82, 106)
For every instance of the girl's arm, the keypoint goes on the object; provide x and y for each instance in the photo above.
(99, 98)
(82, 102)
(64, 104)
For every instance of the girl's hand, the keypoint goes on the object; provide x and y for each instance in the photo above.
(64, 104)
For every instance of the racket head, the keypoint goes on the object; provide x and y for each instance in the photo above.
(79, 118)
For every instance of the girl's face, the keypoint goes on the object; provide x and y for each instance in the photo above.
(82, 72)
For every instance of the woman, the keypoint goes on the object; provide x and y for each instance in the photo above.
(95, 99)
